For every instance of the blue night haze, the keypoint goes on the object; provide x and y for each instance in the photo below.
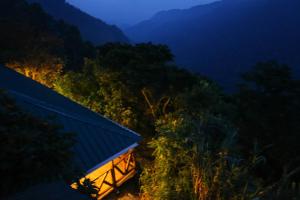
(128, 12)
(217, 38)
(224, 39)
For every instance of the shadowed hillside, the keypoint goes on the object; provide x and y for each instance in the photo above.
(222, 39)
(91, 29)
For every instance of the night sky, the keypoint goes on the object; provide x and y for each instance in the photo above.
(128, 12)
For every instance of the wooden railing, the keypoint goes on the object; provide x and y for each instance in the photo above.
(114, 181)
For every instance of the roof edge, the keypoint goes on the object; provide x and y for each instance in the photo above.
(119, 125)
(112, 157)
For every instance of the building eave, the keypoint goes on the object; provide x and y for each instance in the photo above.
(112, 158)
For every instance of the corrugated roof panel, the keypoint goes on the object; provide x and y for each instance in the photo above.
(98, 138)
(100, 146)
(80, 159)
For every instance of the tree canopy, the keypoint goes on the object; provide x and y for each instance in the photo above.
(268, 104)
(199, 142)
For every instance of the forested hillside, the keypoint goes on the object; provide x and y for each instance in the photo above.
(198, 142)
(91, 29)
(35, 44)
(225, 38)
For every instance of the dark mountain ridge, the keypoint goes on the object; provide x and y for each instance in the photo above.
(226, 38)
(91, 28)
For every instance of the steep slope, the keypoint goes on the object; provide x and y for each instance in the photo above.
(225, 38)
(33, 39)
(91, 29)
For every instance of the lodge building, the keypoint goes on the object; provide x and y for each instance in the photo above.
(103, 149)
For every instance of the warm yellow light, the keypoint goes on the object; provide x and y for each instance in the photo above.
(112, 174)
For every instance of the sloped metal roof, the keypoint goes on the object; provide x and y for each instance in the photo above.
(98, 138)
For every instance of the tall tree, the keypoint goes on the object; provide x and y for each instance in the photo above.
(268, 113)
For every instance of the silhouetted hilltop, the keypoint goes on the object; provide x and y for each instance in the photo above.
(91, 28)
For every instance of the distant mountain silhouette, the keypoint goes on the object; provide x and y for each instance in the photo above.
(92, 29)
(223, 39)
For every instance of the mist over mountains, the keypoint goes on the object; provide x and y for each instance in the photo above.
(224, 39)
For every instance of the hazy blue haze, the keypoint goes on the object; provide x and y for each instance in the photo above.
(125, 12)
(224, 39)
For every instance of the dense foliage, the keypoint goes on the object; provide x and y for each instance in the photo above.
(194, 162)
(199, 143)
(196, 149)
(128, 84)
(198, 154)
(32, 149)
(195, 152)
(268, 114)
